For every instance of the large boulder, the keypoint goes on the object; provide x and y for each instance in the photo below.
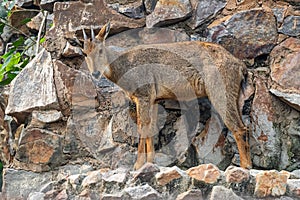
(169, 12)
(33, 88)
(285, 71)
(255, 29)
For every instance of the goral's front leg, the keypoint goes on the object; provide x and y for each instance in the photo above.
(141, 156)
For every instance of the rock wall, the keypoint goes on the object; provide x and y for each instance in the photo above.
(68, 135)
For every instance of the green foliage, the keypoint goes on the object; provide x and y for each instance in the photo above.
(15, 58)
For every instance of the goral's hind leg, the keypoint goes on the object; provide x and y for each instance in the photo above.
(152, 130)
(242, 142)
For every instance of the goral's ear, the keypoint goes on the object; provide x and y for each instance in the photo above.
(103, 33)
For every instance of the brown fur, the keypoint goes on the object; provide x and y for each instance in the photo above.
(181, 71)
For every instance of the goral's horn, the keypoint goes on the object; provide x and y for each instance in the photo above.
(84, 34)
(92, 34)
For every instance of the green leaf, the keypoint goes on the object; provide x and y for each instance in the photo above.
(43, 39)
(9, 53)
(12, 75)
(25, 21)
(5, 81)
(18, 42)
(9, 63)
(1, 27)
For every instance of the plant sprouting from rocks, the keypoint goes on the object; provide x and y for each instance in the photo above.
(17, 53)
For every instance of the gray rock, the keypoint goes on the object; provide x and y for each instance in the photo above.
(222, 193)
(71, 51)
(241, 30)
(16, 183)
(34, 87)
(210, 143)
(94, 15)
(71, 17)
(177, 148)
(139, 36)
(76, 180)
(169, 12)
(133, 10)
(295, 174)
(150, 5)
(279, 14)
(266, 148)
(24, 3)
(292, 99)
(205, 11)
(116, 176)
(47, 116)
(36, 196)
(193, 194)
(146, 172)
(92, 178)
(290, 26)
(47, 4)
(293, 187)
(144, 192)
(2, 46)
(118, 196)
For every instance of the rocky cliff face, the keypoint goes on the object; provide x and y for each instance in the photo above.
(68, 135)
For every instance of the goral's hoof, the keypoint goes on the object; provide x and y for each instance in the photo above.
(138, 165)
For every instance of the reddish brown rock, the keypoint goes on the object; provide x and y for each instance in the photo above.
(270, 183)
(18, 16)
(166, 175)
(285, 71)
(207, 173)
(255, 29)
(36, 21)
(169, 12)
(38, 149)
(236, 174)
